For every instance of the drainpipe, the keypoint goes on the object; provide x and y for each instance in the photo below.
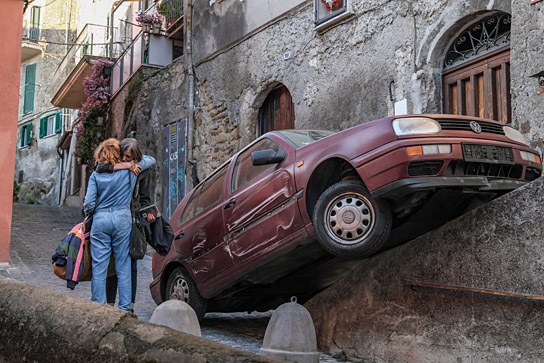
(191, 76)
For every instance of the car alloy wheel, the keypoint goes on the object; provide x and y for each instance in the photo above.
(350, 223)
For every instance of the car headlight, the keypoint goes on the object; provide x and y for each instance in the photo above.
(515, 135)
(415, 126)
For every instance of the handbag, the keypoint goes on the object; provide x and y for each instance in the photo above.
(138, 242)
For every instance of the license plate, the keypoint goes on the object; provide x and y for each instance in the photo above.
(488, 153)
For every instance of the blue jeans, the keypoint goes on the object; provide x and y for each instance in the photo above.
(110, 232)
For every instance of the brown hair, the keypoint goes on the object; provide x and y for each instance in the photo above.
(108, 152)
(132, 145)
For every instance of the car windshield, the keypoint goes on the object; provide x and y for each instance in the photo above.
(301, 138)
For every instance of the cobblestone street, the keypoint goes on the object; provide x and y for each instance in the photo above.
(36, 231)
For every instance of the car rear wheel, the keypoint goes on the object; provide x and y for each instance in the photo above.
(349, 222)
(181, 287)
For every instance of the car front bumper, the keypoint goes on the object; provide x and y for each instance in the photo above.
(387, 172)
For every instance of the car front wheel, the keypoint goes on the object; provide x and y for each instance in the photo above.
(180, 286)
(349, 222)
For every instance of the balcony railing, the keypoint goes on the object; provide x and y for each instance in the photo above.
(92, 40)
(171, 10)
(146, 49)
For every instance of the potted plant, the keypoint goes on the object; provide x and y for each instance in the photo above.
(150, 22)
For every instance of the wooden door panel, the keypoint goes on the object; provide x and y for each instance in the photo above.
(277, 111)
(481, 88)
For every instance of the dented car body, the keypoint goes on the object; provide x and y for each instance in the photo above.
(288, 214)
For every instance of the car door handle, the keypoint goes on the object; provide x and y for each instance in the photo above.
(180, 234)
(229, 204)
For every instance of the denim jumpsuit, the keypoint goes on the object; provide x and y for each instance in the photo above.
(109, 196)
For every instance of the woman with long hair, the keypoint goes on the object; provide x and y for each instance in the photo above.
(108, 199)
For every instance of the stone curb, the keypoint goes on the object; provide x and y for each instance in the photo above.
(41, 325)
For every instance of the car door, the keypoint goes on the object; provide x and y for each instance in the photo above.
(202, 229)
(260, 207)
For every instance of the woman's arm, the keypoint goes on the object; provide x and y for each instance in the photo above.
(146, 162)
(89, 204)
(110, 168)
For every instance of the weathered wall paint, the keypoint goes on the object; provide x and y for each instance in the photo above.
(10, 47)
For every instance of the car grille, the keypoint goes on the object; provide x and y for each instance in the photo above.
(420, 168)
(464, 125)
(464, 168)
(531, 174)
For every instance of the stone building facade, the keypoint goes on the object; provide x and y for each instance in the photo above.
(373, 59)
(47, 27)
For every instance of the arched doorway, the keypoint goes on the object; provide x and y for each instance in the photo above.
(476, 70)
(277, 111)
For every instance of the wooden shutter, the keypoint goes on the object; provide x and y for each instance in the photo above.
(30, 84)
(277, 111)
(43, 127)
(58, 122)
(481, 88)
(23, 131)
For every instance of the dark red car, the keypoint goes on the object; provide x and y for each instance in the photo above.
(285, 215)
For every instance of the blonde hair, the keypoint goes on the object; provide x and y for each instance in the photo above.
(108, 152)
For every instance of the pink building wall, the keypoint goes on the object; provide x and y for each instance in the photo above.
(10, 48)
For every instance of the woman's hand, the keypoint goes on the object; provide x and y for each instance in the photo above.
(135, 168)
(150, 218)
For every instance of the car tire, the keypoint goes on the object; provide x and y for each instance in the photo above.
(350, 223)
(181, 287)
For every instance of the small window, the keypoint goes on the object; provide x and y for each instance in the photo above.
(212, 190)
(328, 9)
(245, 171)
(26, 135)
(50, 125)
(34, 31)
(189, 210)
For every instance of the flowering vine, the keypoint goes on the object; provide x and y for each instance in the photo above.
(90, 131)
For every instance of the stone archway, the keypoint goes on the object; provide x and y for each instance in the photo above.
(476, 70)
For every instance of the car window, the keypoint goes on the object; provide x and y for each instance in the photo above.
(245, 171)
(189, 210)
(212, 190)
(301, 138)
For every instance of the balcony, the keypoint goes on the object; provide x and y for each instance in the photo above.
(91, 45)
(172, 10)
(29, 46)
(145, 50)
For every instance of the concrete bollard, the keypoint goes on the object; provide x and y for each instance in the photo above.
(177, 315)
(290, 335)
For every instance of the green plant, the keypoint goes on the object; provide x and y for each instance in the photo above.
(30, 201)
(15, 190)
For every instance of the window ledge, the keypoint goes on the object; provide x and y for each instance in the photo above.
(48, 136)
(331, 23)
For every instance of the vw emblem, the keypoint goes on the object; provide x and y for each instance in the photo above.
(475, 127)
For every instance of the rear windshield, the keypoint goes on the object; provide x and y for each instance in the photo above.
(300, 138)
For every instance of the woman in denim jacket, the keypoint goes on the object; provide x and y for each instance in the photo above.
(108, 199)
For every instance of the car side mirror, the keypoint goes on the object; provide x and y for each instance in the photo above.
(266, 157)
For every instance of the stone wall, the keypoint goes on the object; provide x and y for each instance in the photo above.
(527, 60)
(40, 325)
(153, 98)
(378, 313)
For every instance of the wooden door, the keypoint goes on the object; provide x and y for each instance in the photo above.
(480, 88)
(277, 111)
